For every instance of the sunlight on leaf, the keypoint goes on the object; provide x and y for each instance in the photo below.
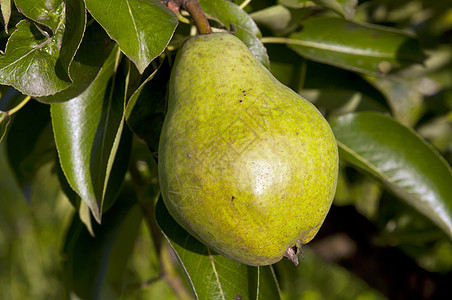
(37, 62)
(363, 48)
(85, 146)
(142, 29)
(401, 159)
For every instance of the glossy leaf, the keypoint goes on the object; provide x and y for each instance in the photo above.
(358, 47)
(85, 66)
(87, 131)
(99, 274)
(74, 28)
(142, 29)
(44, 12)
(36, 62)
(213, 276)
(401, 159)
(239, 22)
(58, 15)
(228, 13)
(30, 65)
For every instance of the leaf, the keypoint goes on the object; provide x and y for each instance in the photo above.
(44, 12)
(86, 65)
(404, 97)
(142, 29)
(280, 19)
(213, 276)
(87, 131)
(145, 111)
(99, 274)
(339, 91)
(228, 13)
(238, 21)
(29, 143)
(401, 159)
(254, 44)
(275, 17)
(345, 8)
(55, 15)
(75, 25)
(318, 278)
(5, 6)
(330, 88)
(36, 62)
(363, 48)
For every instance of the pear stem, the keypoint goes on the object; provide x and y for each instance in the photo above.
(197, 13)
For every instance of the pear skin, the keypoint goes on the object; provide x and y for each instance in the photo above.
(246, 165)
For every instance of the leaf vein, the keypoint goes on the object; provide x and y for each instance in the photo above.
(216, 273)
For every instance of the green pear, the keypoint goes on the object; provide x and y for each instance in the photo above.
(246, 165)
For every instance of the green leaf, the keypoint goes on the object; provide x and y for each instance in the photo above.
(318, 278)
(339, 91)
(345, 8)
(87, 131)
(94, 266)
(296, 3)
(59, 16)
(145, 111)
(44, 12)
(142, 29)
(279, 19)
(363, 48)
(401, 159)
(213, 276)
(29, 143)
(276, 17)
(36, 62)
(30, 62)
(238, 21)
(405, 99)
(85, 66)
(228, 13)
(5, 6)
(74, 21)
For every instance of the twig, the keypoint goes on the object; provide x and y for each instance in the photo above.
(195, 10)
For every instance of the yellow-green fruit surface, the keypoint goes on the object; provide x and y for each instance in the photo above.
(246, 165)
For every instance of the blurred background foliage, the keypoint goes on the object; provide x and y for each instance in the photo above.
(372, 246)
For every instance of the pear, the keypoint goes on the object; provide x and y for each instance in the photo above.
(246, 165)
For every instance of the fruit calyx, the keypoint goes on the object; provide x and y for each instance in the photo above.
(291, 253)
